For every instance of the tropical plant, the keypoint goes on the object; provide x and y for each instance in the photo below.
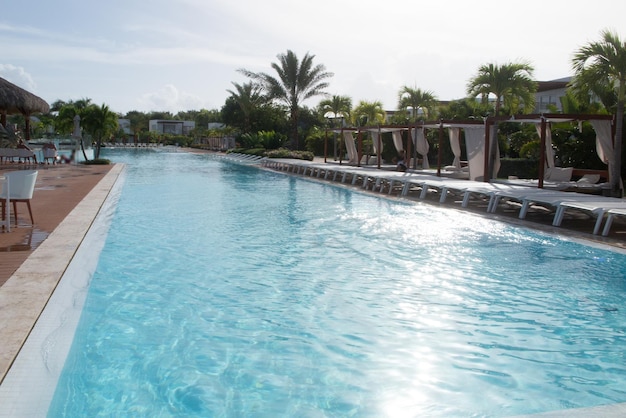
(368, 113)
(464, 109)
(337, 107)
(100, 122)
(139, 123)
(416, 99)
(297, 81)
(64, 122)
(511, 84)
(249, 97)
(600, 68)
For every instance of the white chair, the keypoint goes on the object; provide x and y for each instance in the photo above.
(50, 154)
(22, 186)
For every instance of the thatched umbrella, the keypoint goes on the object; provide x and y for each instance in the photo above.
(14, 99)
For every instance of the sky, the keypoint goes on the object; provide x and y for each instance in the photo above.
(179, 55)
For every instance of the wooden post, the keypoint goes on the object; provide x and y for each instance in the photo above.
(378, 153)
(325, 144)
(359, 153)
(486, 175)
(542, 152)
(439, 154)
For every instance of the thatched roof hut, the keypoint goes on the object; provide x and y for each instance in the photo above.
(14, 99)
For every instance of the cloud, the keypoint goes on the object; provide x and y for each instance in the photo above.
(170, 98)
(17, 76)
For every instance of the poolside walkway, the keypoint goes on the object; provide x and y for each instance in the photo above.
(59, 188)
(67, 199)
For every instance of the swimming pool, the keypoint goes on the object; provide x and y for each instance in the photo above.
(226, 290)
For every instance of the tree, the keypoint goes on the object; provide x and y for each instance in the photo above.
(249, 97)
(416, 99)
(139, 123)
(297, 81)
(510, 83)
(464, 109)
(64, 122)
(600, 68)
(337, 106)
(368, 113)
(100, 122)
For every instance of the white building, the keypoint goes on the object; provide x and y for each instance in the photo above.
(549, 93)
(174, 127)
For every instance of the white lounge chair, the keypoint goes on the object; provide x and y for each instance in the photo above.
(597, 207)
(611, 214)
(22, 186)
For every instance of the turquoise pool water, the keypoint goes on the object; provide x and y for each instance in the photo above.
(226, 290)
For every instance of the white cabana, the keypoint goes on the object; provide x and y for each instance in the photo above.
(602, 124)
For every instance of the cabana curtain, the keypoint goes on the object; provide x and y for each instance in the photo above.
(353, 157)
(549, 149)
(475, 145)
(397, 140)
(604, 140)
(455, 144)
(421, 146)
(375, 144)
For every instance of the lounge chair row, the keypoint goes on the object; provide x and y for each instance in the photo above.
(493, 195)
(242, 158)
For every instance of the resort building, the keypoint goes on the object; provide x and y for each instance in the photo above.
(549, 93)
(175, 127)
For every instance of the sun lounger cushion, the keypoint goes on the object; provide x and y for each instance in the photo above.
(559, 174)
(589, 179)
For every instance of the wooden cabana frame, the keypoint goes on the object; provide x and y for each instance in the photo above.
(543, 119)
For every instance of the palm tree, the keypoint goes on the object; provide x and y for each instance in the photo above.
(416, 99)
(338, 107)
(100, 122)
(600, 68)
(248, 96)
(297, 81)
(368, 113)
(510, 83)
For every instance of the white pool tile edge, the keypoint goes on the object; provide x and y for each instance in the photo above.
(29, 384)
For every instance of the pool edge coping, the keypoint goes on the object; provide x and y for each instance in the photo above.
(24, 296)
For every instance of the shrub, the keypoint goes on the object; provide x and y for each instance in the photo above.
(285, 153)
(97, 161)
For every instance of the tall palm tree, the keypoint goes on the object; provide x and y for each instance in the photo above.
(511, 84)
(416, 99)
(248, 96)
(100, 122)
(297, 81)
(600, 67)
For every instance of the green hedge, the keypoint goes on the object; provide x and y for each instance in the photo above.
(523, 168)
